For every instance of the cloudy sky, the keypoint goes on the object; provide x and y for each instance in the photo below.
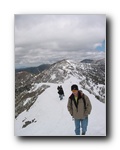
(48, 38)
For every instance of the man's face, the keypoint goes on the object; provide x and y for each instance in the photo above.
(75, 92)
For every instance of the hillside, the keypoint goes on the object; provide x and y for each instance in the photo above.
(49, 116)
(36, 97)
(91, 77)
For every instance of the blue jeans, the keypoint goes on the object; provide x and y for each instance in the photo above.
(81, 123)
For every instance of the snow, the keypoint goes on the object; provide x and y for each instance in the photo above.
(27, 100)
(53, 76)
(52, 117)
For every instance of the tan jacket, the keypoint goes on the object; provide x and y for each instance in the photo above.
(77, 110)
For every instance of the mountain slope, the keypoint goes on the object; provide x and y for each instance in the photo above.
(91, 78)
(49, 116)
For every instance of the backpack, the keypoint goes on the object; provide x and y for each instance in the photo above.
(79, 96)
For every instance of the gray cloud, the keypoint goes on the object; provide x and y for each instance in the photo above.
(48, 38)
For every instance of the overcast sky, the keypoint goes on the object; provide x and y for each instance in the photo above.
(48, 38)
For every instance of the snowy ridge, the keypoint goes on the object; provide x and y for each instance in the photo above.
(38, 110)
(48, 116)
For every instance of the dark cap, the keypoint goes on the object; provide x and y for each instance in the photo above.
(74, 87)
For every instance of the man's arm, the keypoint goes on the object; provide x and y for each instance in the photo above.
(88, 106)
(69, 106)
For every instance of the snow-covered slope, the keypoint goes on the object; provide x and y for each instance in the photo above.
(48, 116)
(91, 75)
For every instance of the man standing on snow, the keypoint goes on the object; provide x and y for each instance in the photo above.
(79, 107)
(60, 92)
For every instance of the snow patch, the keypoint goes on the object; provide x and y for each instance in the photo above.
(27, 100)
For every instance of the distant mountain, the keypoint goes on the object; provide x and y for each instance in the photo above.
(87, 61)
(62, 70)
(100, 61)
(34, 70)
